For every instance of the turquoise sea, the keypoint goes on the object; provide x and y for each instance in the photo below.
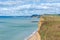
(17, 28)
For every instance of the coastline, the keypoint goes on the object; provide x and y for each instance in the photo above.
(36, 34)
(31, 35)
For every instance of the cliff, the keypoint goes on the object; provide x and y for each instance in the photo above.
(48, 29)
(36, 35)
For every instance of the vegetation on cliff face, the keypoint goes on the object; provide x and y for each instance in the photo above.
(50, 28)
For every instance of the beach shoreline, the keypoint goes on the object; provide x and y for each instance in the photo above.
(44, 21)
(36, 34)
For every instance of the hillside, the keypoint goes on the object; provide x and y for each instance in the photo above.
(49, 28)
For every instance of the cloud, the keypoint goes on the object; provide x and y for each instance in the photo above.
(11, 3)
(50, 1)
(26, 7)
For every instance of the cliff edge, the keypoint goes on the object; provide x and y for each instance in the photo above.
(48, 29)
(36, 35)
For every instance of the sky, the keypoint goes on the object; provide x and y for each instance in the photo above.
(29, 7)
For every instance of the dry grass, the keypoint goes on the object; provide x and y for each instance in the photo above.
(50, 29)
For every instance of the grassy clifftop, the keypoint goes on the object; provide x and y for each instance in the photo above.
(49, 27)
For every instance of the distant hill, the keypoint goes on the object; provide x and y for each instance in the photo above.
(35, 15)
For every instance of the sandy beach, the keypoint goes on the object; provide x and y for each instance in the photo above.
(35, 36)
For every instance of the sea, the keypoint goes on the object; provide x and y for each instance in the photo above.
(17, 28)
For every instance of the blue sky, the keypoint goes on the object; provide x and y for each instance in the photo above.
(29, 7)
